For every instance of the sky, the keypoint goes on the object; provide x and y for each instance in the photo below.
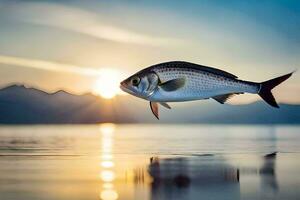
(69, 44)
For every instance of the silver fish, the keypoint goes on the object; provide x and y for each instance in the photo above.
(178, 81)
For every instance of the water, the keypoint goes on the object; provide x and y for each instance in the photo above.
(149, 162)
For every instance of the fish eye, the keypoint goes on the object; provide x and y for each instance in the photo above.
(135, 81)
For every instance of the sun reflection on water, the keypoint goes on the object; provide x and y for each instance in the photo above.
(109, 194)
(107, 173)
(107, 164)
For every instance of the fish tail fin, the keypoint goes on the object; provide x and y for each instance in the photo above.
(266, 87)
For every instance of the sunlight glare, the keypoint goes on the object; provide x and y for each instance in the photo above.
(107, 164)
(107, 85)
(108, 185)
(107, 176)
(107, 128)
(109, 195)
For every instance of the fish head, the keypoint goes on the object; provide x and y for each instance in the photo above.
(142, 84)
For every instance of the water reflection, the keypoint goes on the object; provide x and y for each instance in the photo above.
(268, 174)
(205, 176)
(193, 177)
(108, 162)
(107, 173)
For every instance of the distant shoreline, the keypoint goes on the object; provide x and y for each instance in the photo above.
(179, 124)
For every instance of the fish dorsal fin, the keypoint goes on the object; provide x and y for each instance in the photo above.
(223, 98)
(173, 84)
(154, 109)
(164, 104)
(200, 67)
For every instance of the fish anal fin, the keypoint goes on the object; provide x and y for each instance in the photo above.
(164, 104)
(154, 109)
(173, 84)
(224, 97)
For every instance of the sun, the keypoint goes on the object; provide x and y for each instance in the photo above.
(107, 85)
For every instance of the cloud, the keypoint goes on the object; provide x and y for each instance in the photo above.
(47, 65)
(83, 22)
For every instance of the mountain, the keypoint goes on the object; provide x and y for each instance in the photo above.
(23, 105)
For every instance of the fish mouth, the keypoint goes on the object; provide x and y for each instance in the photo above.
(123, 87)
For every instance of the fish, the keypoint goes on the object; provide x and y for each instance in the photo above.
(178, 81)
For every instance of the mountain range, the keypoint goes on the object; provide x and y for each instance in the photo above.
(24, 105)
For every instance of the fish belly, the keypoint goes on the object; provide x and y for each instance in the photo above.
(202, 86)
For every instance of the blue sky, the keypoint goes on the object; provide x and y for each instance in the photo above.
(255, 40)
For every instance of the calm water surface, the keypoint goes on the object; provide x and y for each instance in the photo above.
(128, 162)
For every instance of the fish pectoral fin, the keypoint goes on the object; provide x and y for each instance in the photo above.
(173, 84)
(154, 109)
(223, 98)
(164, 104)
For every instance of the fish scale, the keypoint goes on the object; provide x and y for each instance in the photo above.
(199, 84)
